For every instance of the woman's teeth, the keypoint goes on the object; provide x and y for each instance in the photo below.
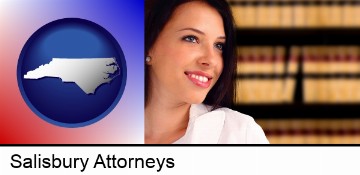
(200, 78)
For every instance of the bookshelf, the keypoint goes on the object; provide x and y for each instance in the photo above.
(299, 68)
(296, 13)
(300, 37)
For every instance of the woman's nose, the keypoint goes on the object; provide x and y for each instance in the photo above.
(209, 57)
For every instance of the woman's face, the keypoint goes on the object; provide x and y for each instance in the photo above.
(186, 59)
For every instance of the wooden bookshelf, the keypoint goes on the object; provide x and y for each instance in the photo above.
(299, 37)
(314, 27)
(296, 13)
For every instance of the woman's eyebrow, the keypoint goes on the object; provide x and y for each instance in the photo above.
(199, 32)
(194, 30)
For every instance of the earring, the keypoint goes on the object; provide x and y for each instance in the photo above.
(148, 59)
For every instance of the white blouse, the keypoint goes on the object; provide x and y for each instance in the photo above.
(221, 126)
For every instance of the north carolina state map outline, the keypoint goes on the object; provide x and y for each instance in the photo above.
(87, 73)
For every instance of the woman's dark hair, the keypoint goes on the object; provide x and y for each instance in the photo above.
(158, 13)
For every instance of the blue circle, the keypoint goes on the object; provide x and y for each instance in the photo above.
(63, 102)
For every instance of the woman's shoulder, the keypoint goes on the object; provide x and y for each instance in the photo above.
(236, 116)
(237, 120)
(223, 125)
(240, 128)
(230, 114)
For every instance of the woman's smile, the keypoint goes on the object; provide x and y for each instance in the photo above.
(199, 78)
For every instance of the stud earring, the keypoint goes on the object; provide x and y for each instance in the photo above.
(148, 59)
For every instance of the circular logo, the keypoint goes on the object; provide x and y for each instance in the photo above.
(71, 72)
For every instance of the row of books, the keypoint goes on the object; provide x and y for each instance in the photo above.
(269, 74)
(283, 14)
(311, 131)
(316, 59)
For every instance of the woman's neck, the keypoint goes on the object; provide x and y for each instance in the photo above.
(165, 122)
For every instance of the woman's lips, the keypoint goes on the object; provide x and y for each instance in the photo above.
(199, 78)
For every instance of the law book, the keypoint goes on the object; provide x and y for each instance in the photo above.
(278, 62)
(241, 67)
(325, 132)
(296, 130)
(324, 59)
(350, 68)
(319, 131)
(337, 134)
(355, 130)
(255, 65)
(341, 83)
(274, 14)
(254, 82)
(330, 14)
(349, 11)
(344, 60)
(262, 14)
(356, 59)
(262, 67)
(239, 15)
(278, 71)
(286, 15)
(311, 65)
(334, 55)
(254, 60)
(273, 63)
(311, 131)
(324, 14)
(347, 131)
(347, 65)
(266, 89)
(245, 14)
(264, 60)
(286, 135)
(336, 14)
(240, 89)
(321, 68)
(270, 129)
(312, 15)
(357, 14)
(322, 83)
(332, 69)
(309, 83)
(250, 14)
(299, 15)
(243, 60)
(247, 64)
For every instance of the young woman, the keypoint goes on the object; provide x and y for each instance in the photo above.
(190, 62)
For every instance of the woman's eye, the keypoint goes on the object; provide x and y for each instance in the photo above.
(191, 38)
(220, 46)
